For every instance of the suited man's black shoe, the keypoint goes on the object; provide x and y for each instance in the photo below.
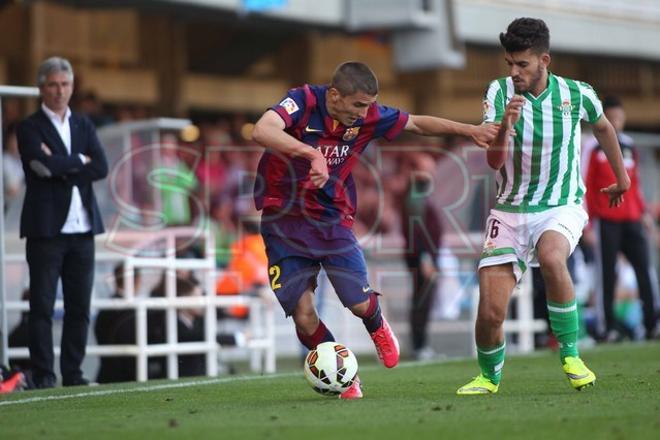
(77, 382)
(44, 383)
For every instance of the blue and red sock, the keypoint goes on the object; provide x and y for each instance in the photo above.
(321, 334)
(373, 318)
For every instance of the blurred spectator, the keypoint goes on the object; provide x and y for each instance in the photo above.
(236, 162)
(619, 229)
(190, 328)
(248, 268)
(240, 129)
(185, 280)
(224, 230)
(117, 327)
(176, 181)
(422, 232)
(13, 175)
(212, 170)
(11, 111)
(627, 309)
(123, 113)
(376, 212)
(90, 105)
(236, 195)
(140, 112)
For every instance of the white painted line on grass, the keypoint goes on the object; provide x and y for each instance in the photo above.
(186, 384)
(143, 389)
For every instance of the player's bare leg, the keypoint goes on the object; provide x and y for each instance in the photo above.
(553, 249)
(305, 316)
(360, 309)
(496, 284)
(310, 329)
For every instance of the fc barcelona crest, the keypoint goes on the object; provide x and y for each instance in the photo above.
(351, 133)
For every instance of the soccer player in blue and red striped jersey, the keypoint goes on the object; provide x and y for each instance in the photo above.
(314, 137)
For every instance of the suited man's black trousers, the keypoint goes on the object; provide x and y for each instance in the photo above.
(71, 258)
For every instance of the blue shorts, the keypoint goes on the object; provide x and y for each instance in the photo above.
(296, 249)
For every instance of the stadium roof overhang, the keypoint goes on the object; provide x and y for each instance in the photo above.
(423, 33)
(303, 14)
(577, 26)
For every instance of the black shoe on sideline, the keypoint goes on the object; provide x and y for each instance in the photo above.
(76, 382)
(43, 383)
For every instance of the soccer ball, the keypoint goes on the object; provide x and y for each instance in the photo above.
(330, 368)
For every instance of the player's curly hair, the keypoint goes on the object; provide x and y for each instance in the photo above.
(352, 76)
(526, 33)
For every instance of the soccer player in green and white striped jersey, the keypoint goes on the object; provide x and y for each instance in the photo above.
(538, 218)
(542, 170)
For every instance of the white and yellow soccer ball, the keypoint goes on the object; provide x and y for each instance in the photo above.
(330, 368)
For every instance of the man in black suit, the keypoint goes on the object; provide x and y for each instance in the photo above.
(61, 157)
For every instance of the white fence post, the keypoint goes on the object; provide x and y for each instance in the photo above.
(268, 304)
(171, 334)
(141, 339)
(211, 315)
(21, 92)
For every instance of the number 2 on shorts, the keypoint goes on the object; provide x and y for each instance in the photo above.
(274, 272)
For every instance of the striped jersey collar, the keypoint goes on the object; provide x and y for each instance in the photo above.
(552, 83)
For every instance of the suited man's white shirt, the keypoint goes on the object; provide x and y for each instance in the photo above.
(77, 220)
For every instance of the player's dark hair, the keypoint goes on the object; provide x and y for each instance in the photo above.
(526, 33)
(352, 77)
(611, 102)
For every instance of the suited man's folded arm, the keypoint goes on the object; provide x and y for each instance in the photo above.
(32, 155)
(97, 168)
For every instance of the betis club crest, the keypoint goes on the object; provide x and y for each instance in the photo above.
(351, 133)
(566, 108)
(486, 108)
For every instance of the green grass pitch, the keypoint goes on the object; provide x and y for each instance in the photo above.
(413, 401)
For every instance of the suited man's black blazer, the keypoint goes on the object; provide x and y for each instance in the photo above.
(49, 188)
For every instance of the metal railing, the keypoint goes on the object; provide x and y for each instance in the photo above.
(260, 328)
(260, 342)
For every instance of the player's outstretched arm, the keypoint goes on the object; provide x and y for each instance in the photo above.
(606, 136)
(269, 132)
(424, 125)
